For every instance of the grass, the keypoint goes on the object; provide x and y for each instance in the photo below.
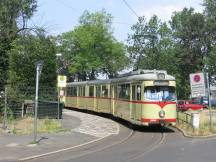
(25, 126)
(204, 124)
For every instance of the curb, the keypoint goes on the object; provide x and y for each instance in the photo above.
(190, 136)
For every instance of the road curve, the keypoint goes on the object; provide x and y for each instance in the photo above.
(140, 145)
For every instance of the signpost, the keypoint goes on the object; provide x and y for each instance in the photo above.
(61, 83)
(39, 65)
(197, 83)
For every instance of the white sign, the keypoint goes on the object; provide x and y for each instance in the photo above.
(197, 83)
(195, 120)
(62, 81)
(61, 93)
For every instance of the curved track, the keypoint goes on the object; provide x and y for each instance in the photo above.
(128, 145)
(147, 150)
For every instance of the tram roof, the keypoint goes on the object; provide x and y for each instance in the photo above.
(127, 79)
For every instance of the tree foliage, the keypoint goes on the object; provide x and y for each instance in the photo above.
(13, 17)
(91, 47)
(150, 45)
(183, 48)
(25, 51)
(185, 45)
(189, 36)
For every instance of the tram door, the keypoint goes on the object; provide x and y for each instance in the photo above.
(136, 104)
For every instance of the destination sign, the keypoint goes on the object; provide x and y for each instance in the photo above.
(161, 83)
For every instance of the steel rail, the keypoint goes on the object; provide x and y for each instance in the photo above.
(147, 149)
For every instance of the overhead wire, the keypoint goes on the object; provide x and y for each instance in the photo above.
(78, 12)
(69, 6)
(129, 6)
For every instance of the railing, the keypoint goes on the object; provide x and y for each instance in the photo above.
(184, 118)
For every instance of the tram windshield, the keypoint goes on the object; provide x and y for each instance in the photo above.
(159, 93)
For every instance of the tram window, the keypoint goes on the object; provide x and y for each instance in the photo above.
(91, 91)
(118, 91)
(115, 91)
(138, 92)
(73, 91)
(111, 91)
(98, 91)
(104, 91)
(124, 92)
(83, 91)
(69, 91)
(80, 91)
(160, 93)
(133, 92)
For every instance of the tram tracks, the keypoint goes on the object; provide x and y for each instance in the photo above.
(147, 149)
(101, 147)
(86, 147)
(130, 135)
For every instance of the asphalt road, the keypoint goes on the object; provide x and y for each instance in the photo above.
(140, 145)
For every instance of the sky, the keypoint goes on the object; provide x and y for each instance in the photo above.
(59, 16)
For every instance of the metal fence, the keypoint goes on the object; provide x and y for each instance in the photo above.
(18, 102)
(184, 117)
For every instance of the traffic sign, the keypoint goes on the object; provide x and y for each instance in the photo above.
(197, 83)
(62, 81)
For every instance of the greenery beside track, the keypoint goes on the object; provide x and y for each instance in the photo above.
(185, 123)
(25, 126)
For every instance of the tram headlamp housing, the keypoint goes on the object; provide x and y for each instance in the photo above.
(162, 114)
(161, 76)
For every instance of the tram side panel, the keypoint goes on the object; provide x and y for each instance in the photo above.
(136, 112)
(122, 106)
(71, 101)
(89, 102)
(104, 105)
(123, 109)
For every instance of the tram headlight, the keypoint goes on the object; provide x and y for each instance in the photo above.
(162, 114)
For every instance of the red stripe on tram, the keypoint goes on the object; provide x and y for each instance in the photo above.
(145, 120)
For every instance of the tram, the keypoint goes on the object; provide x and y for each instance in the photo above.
(142, 97)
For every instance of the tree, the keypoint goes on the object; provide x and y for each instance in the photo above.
(13, 19)
(210, 16)
(190, 43)
(150, 46)
(25, 51)
(91, 47)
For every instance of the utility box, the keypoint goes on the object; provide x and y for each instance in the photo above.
(195, 120)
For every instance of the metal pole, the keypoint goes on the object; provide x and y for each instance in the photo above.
(209, 102)
(5, 110)
(36, 104)
(58, 102)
